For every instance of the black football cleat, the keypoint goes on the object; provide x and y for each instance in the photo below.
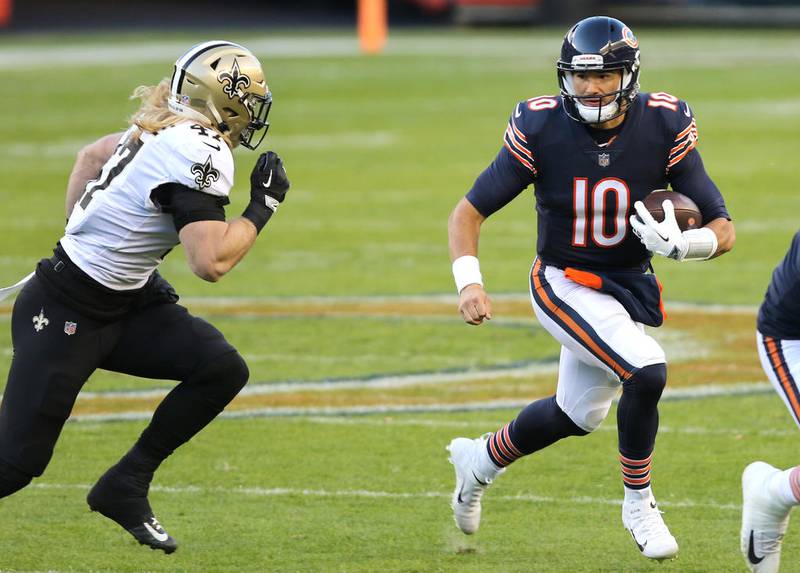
(122, 498)
(151, 533)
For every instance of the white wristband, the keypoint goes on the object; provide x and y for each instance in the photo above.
(701, 244)
(467, 271)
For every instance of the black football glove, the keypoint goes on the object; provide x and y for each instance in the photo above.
(268, 188)
(268, 181)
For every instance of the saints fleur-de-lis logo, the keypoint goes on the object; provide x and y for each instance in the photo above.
(39, 322)
(205, 173)
(232, 80)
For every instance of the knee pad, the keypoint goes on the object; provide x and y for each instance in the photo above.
(587, 420)
(648, 380)
(12, 479)
(571, 427)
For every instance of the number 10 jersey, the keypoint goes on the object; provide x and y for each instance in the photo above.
(584, 191)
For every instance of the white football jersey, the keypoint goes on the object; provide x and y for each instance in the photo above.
(116, 233)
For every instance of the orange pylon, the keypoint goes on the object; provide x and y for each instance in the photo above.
(372, 25)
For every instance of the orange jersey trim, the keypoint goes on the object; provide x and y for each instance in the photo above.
(576, 329)
(780, 369)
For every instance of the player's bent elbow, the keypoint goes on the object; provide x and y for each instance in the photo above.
(209, 270)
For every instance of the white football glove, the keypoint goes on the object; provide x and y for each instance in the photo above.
(664, 238)
(667, 239)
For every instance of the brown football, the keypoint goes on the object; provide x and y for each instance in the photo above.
(686, 212)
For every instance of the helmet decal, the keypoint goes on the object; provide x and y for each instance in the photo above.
(222, 84)
(629, 38)
(232, 80)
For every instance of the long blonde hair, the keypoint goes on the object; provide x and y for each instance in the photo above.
(154, 113)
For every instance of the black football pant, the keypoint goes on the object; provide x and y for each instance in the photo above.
(50, 366)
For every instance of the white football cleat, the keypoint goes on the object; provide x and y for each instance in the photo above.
(764, 519)
(471, 460)
(643, 520)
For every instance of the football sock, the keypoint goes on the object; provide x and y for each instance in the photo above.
(193, 404)
(501, 449)
(122, 496)
(538, 425)
(785, 486)
(794, 481)
(637, 423)
(635, 473)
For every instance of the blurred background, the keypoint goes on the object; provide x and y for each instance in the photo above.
(346, 305)
(84, 14)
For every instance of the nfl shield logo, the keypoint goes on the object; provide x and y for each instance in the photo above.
(603, 159)
(70, 327)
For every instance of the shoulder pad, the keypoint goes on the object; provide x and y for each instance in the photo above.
(530, 115)
(675, 114)
(678, 120)
(526, 121)
(197, 157)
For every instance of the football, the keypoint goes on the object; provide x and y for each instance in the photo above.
(686, 212)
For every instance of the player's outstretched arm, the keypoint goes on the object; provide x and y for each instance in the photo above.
(463, 229)
(87, 166)
(214, 247)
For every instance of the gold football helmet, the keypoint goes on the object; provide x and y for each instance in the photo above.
(223, 83)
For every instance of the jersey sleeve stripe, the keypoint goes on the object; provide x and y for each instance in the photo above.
(678, 158)
(517, 137)
(509, 137)
(519, 158)
(686, 141)
(517, 131)
(691, 127)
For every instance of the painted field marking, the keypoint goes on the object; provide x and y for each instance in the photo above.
(711, 390)
(383, 382)
(363, 493)
(609, 426)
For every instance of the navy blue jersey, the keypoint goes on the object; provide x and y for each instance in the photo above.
(584, 191)
(779, 315)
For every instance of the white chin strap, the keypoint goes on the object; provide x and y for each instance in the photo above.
(594, 114)
(590, 113)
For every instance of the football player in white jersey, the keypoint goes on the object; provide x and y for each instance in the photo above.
(99, 301)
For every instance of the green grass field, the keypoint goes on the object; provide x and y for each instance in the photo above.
(346, 304)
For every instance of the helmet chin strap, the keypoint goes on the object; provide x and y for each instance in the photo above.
(598, 114)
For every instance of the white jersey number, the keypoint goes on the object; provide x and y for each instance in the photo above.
(593, 212)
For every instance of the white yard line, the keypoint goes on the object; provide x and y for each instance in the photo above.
(677, 394)
(363, 493)
(382, 382)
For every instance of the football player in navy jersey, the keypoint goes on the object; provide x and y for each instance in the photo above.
(99, 301)
(592, 154)
(769, 494)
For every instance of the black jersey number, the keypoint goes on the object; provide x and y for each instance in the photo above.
(123, 155)
(591, 212)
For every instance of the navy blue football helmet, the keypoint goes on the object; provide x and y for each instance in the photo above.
(599, 43)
